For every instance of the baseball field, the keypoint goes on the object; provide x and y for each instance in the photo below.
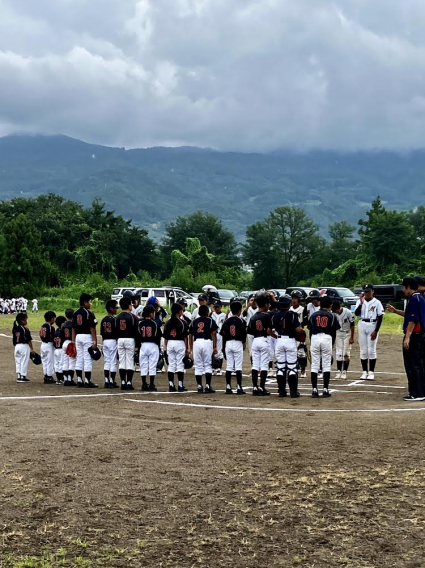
(132, 479)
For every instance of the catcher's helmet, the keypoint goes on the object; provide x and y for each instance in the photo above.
(297, 294)
(35, 358)
(95, 353)
(215, 362)
(314, 295)
(187, 362)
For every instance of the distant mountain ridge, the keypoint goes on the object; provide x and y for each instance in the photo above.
(152, 186)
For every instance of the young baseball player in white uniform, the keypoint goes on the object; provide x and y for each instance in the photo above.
(371, 313)
(344, 339)
(296, 307)
(251, 310)
(219, 317)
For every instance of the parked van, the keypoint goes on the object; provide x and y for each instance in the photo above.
(386, 292)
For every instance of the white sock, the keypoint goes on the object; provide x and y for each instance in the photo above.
(180, 384)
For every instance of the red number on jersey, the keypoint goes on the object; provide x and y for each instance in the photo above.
(232, 331)
(173, 332)
(123, 325)
(259, 325)
(43, 332)
(200, 327)
(107, 327)
(321, 322)
(147, 331)
(79, 319)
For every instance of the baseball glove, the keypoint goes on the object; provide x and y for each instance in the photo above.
(71, 350)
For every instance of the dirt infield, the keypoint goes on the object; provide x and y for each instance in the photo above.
(124, 480)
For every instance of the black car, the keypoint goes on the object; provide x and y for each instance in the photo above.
(386, 292)
(304, 291)
(344, 295)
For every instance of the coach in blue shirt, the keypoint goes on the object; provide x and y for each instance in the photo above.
(414, 329)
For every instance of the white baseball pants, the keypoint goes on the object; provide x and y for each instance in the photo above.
(110, 350)
(22, 357)
(148, 359)
(47, 358)
(321, 349)
(68, 362)
(126, 346)
(202, 356)
(84, 362)
(260, 354)
(286, 355)
(342, 346)
(176, 351)
(58, 358)
(234, 355)
(272, 347)
(249, 340)
(220, 346)
(367, 346)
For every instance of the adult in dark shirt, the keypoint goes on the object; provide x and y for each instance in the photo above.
(414, 328)
(84, 335)
(234, 336)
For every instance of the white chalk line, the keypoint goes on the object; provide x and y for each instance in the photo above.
(262, 409)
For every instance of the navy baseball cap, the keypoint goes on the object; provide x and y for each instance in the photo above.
(368, 287)
(218, 304)
(203, 297)
(420, 280)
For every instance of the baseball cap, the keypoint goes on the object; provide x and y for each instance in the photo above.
(218, 304)
(420, 280)
(368, 287)
(203, 297)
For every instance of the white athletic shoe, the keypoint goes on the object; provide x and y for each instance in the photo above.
(303, 375)
(338, 375)
(344, 375)
(364, 376)
(320, 375)
(370, 376)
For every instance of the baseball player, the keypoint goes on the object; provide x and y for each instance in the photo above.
(233, 333)
(203, 344)
(272, 340)
(219, 317)
(344, 339)
(150, 335)
(108, 331)
(323, 326)
(187, 316)
(176, 347)
(251, 309)
(84, 336)
(312, 306)
(68, 362)
(296, 307)
(47, 336)
(371, 313)
(260, 327)
(22, 341)
(58, 351)
(286, 325)
(127, 332)
(203, 301)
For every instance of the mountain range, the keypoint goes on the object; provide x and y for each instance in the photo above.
(153, 186)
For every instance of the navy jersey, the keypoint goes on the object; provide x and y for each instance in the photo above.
(150, 331)
(203, 328)
(83, 321)
(176, 329)
(57, 340)
(415, 312)
(47, 333)
(323, 321)
(234, 329)
(126, 325)
(259, 324)
(21, 335)
(108, 328)
(285, 323)
(66, 332)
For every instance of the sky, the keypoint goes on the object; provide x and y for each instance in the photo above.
(238, 75)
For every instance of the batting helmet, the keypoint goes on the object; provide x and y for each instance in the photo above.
(297, 294)
(284, 301)
(187, 362)
(215, 361)
(94, 353)
(314, 295)
(152, 301)
(35, 358)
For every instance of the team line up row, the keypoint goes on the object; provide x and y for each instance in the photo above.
(271, 330)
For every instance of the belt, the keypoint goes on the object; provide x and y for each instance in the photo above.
(369, 320)
(280, 336)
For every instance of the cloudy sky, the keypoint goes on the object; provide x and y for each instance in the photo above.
(229, 74)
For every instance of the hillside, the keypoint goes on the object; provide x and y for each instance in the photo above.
(153, 186)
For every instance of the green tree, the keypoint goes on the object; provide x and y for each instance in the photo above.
(24, 266)
(211, 233)
(342, 246)
(279, 247)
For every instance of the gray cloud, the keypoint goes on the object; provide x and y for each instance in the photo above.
(239, 75)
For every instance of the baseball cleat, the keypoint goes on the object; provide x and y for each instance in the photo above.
(344, 375)
(283, 394)
(200, 389)
(145, 387)
(209, 390)
(113, 385)
(153, 388)
(363, 376)
(370, 376)
(229, 391)
(264, 392)
(80, 384)
(338, 375)
(315, 393)
(410, 398)
(256, 392)
(22, 380)
(240, 391)
(182, 389)
(123, 386)
(326, 393)
(90, 385)
(295, 394)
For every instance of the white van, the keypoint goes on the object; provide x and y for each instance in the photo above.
(117, 293)
(167, 295)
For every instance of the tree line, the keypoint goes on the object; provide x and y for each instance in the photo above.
(50, 242)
